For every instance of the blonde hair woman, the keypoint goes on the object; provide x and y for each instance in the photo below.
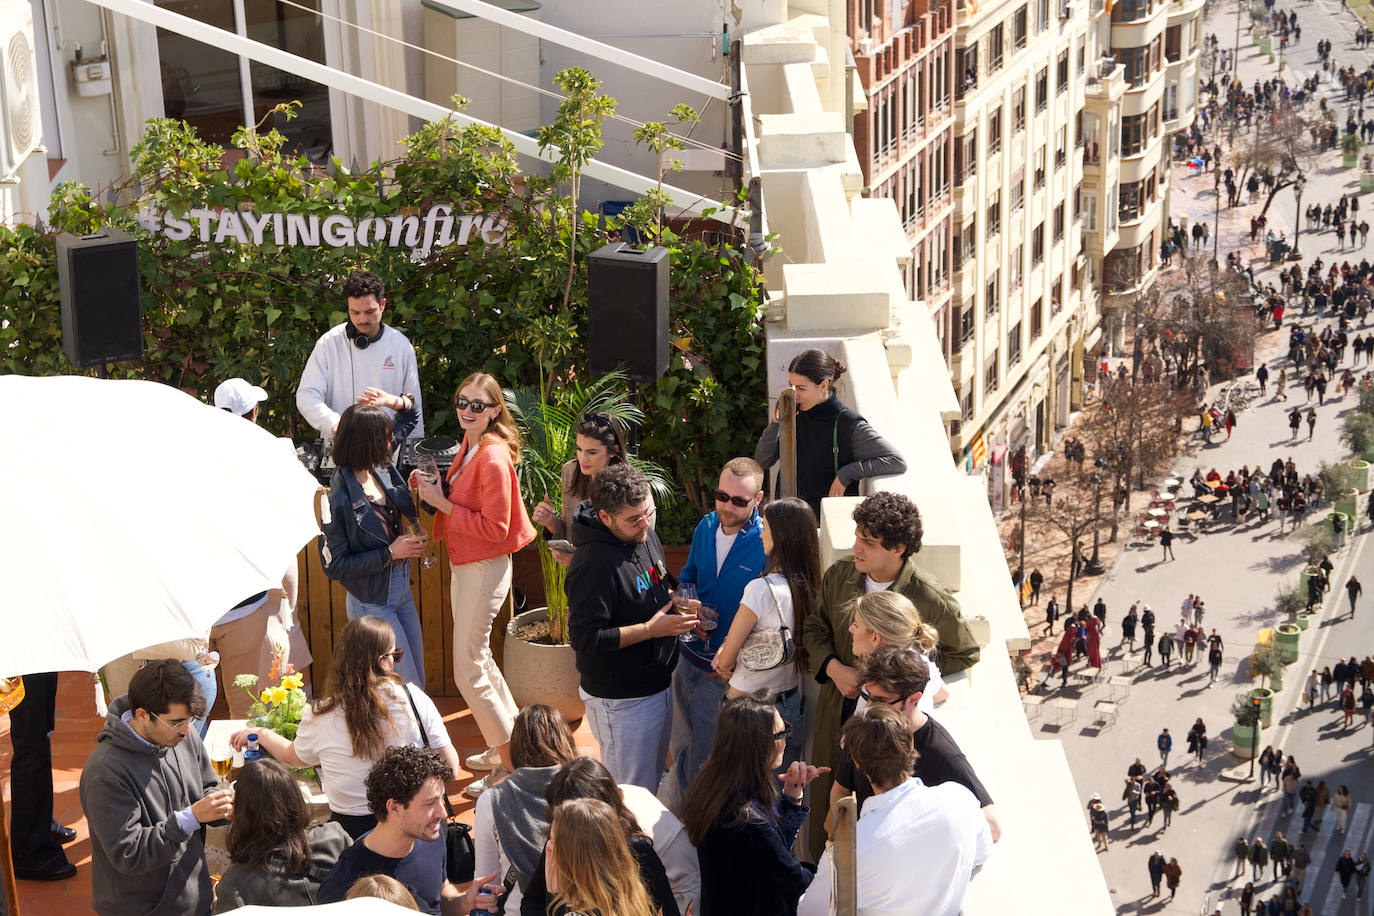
(588, 865)
(485, 522)
(890, 619)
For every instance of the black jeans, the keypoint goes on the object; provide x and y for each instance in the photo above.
(355, 824)
(31, 823)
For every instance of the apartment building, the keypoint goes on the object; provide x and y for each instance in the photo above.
(1142, 89)
(904, 132)
(1023, 313)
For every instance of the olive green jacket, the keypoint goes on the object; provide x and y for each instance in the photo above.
(826, 634)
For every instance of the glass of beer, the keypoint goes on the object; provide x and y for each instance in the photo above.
(222, 759)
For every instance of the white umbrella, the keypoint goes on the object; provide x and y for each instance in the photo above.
(134, 515)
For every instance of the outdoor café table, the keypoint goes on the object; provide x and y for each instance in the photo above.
(1208, 498)
(1172, 482)
(1213, 484)
(216, 837)
(1157, 513)
(1151, 525)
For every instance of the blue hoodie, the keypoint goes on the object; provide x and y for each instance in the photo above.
(721, 590)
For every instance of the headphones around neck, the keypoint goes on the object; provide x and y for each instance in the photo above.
(359, 339)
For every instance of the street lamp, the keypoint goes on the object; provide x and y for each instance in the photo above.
(1094, 566)
(1299, 185)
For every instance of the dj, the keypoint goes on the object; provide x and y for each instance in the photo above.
(362, 361)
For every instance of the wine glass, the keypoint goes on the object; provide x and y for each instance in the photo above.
(686, 602)
(428, 469)
(427, 559)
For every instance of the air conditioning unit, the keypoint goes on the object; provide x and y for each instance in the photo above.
(20, 123)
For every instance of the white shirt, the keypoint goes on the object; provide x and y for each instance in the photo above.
(723, 544)
(675, 851)
(770, 615)
(322, 741)
(870, 586)
(917, 848)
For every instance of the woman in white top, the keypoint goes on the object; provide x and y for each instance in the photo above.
(782, 597)
(364, 711)
(885, 618)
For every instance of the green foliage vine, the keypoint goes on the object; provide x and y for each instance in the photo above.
(214, 311)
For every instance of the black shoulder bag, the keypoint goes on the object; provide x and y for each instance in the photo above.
(460, 853)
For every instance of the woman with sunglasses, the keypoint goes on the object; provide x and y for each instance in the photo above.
(599, 443)
(782, 597)
(366, 708)
(485, 522)
(742, 827)
(364, 544)
(836, 448)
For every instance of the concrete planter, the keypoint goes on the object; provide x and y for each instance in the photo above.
(1366, 185)
(1303, 621)
(1286, 638)
(1348, 504)
(1359, 465)
(1266, 698)
(1308, 572)
(1349, 160)
(541, 674)
(1245, 740)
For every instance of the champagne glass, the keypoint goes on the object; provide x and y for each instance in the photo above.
(428, 469)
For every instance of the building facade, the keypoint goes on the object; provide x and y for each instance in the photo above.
(1023, 310)
(904, 131)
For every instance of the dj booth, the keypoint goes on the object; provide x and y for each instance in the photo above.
(320, 601)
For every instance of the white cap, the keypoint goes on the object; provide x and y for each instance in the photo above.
(238, 397)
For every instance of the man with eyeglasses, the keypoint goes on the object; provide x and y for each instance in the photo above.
(905, 814)
(147, 790)
(887, 537)
(623, 626)
(727, 553)
(362, 361)
(896, 677)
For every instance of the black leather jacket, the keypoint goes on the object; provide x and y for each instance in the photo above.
(354, 547)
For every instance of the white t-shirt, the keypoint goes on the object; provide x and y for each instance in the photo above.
(723, 544)
(675, 851)
(770, 616)
(323, 741)
(870, 586)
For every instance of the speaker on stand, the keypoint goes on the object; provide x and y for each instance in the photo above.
(627, 314)
(102, 313)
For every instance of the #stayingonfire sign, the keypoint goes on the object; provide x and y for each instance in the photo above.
(440, 228)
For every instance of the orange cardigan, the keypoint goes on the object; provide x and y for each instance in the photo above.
(488, 518)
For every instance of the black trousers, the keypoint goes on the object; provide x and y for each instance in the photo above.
(31, 821)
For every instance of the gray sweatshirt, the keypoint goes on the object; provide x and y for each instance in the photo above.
(142, 861)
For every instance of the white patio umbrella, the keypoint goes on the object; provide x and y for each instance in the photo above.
(133, 515)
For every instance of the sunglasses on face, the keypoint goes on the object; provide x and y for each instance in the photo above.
(395, 655)
(739, 502)
(463, 403)
(784, 734)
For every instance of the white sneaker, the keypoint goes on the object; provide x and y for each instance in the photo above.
(475, 788)
(489, 759)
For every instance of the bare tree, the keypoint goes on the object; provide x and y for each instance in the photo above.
(1285, 144)
(1200, 319)
(1076, 518)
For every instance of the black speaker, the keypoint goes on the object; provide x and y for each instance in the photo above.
(102, 316)
(627, 311)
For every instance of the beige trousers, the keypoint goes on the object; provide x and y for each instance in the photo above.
(478, 591)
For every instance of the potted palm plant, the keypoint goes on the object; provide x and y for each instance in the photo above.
(539, 664)
(1350, 150)
(1245, 734)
